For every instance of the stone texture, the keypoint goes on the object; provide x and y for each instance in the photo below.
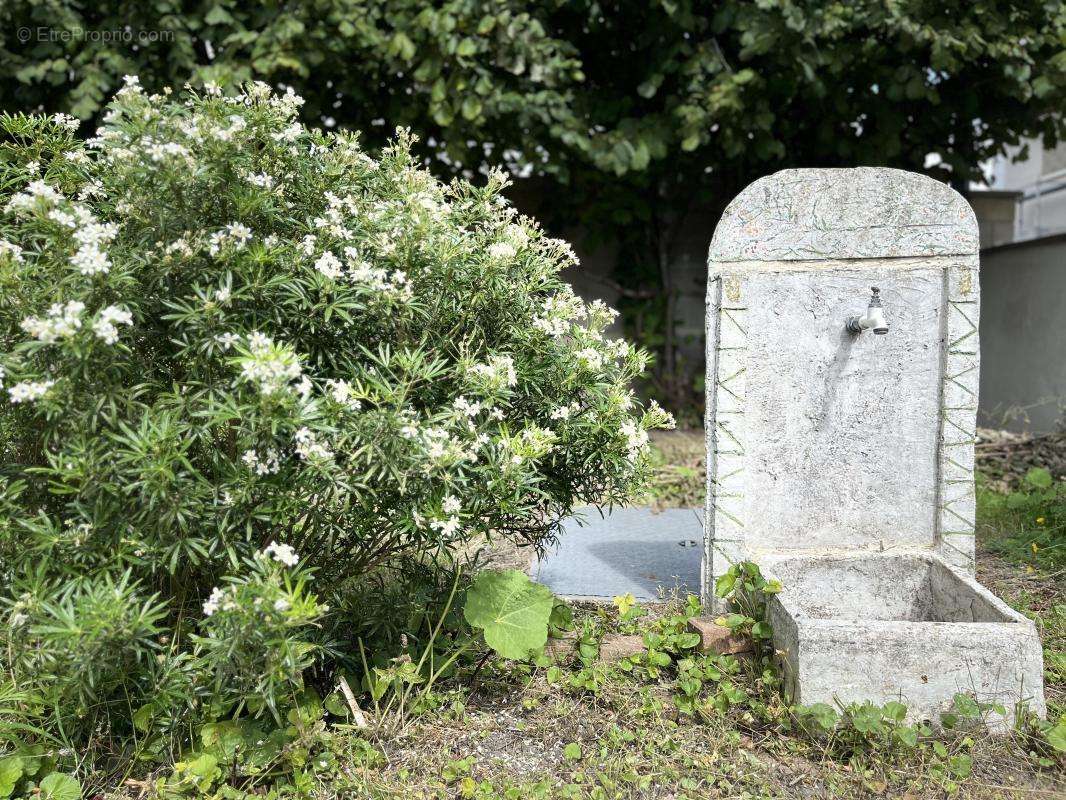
(802, 214)
(827, 410)
(843, 463)
(718, 639)
(819, 439)
(616, 646)
(907, 628)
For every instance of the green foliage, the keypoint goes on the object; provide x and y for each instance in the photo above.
(695, 87)
(1030, 520)
(30, 772)
(240, 359)
(510, 610)
(645, 114)
(1055, 735)
(744, 586)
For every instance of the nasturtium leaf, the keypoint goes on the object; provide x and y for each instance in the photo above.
(60, 787)
(10, 772)
(824, 714)
(725, 583)
(562, 617)
(894, 711)
(511, 610)
(908, 736)
(1056, 736)
(966, 706)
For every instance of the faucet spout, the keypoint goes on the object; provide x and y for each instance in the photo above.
(874, 318)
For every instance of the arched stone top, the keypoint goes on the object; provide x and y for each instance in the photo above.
(861, 213)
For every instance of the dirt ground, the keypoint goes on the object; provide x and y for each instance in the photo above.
(634, 744)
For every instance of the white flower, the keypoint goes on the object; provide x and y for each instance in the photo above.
(260, 179)
(282, 553)
(92, 236)
(259, 341)
(288, 134)
(451, 505)
(564, 412)
(502, 251)
(636, 439)
(162, 151)
(62, 322)
(236, 125)
(62, 218)
(446, 527)
(90, 260)
(341, 391)
(269, 464)
(105, 325)
(281, 604)
(33, 167)
(12, 250)
(28, 198)
(309, 448)
(239, 232)
(211, 605)
(498, 372)
(271, 367)
(330, 266)
(590, 357)
(664, 417)
(180, 246)
(29, 391)
(438, 443)
(131, 85)
(464, 406)
(304, 387)
(235, 234)
(516, 235)
(557, 312)
(67, 121)
(227, 340)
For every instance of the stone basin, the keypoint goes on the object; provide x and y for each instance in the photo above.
(900, 626)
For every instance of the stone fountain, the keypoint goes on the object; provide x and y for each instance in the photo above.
(842, 373)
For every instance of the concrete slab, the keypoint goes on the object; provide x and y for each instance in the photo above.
(634, 550)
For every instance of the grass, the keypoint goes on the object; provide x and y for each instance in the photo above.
(580, 729)
(528, 732)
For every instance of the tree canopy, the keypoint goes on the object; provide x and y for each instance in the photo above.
(639, 108)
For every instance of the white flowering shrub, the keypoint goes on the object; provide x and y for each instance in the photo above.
(233, 346)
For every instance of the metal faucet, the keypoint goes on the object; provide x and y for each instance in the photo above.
(874, 319)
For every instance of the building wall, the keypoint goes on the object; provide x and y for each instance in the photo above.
(1023, 342)
(995, 212)
(1041, 181)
